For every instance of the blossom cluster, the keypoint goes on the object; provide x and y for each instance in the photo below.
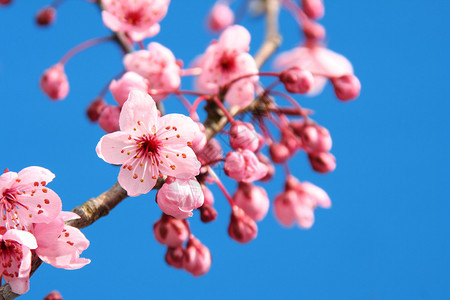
(32, 223)
(177, 153)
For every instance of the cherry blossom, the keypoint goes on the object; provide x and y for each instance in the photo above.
(137, 18)
(157, 64)
(244, 166)
(109, 118)
(242, 228)
(170, 231)
(253, 200)
(320, 61)
(61, 245)
(26, 199)
(121, 88)
(15, 258)
(220, 17)
(225, 61)
(196, 258)
(54, 82)
(179, 196)
(148, 146)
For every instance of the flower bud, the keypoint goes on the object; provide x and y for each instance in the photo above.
(296, 80)
(109, 118)
(212, 152)
(174, 256)
(170, 231)
(270, 167)
(242, 228)
(221, 16)
(5, 2)
(121, 88)
(315, 138)
(207, 213)
(54, 82)
(253, 200)
(279, 153)
(314, 31)
(199, 141)
(322, 162)
(289, 140)
(314, 9)
(244, 166)
(55, 295)
(284, 207)
(95, 109)
(46, 16)
(243, 136)
(346, 87)
(197, 258)
(178, 197)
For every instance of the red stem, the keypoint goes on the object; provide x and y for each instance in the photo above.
(83, 46)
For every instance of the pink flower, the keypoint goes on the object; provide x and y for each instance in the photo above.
(196, 258)
(227, 60)
(15, 258)
(170, 231)
(244, 136)
(54, 82)
(320, 61)
(211, 152)
(253, 200)
(61, 245)
(242, 228)
(109, 118)
(26, 199)
(137, 18)
(178, 197)
(297, 203)
(314, 9)
(346, 87)
(199, 142)
(157, 65)
(220, 17)
(121, 88)
(244, 166)
(149, 146)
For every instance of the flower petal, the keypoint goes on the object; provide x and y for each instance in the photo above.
(138, 113)
(40, 205)
(110, 147)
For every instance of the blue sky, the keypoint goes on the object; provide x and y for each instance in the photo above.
(386, 236)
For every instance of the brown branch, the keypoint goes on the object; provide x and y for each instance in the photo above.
(95, 208)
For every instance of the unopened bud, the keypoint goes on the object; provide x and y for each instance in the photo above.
(197, 258)
(296, 80)
(170, 231)
(174, 257)
(242, 228)
(270, 167)
(253, 200)
(207, 213)
(314, 9)
(243, 136)
(221, 16)
(46, 16)
(346, 87)
(95, 109)
(279, 153)
(54, 82)
(322, 162)
(315, 138)
(109, 118)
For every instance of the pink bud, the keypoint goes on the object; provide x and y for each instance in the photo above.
(322, 162)
(109, 118)
(243, 136)
(212, 152)
(197, 258)
(346, 87)
(178, 197)
(289, 140)
(318, 195)
(174, 257)
(242, 228)
(279, 153)
(314, 9)
(207, 213)
(5, 2)
(95, 109)
(296, 80)
(46, 16)
(284, 207)
(270, 167)
(253, 200)
(314, 31)
(121, 88)
(170, 231)
(244, 166)
(199, 141)
(315, 138)
(221, 16)
(55, 295)
(54, 82)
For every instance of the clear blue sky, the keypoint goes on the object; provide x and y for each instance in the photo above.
(387, 234)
